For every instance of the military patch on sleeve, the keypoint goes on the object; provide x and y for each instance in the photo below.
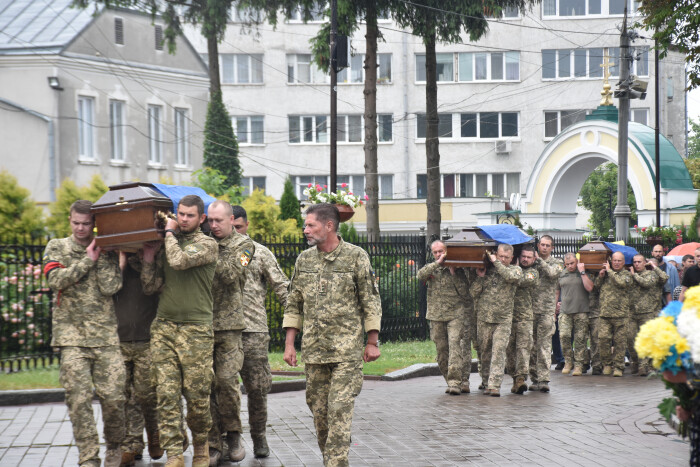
(530, 275)
(245, 258)
(192, 248)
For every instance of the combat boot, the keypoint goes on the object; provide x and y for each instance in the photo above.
(617, 373)
(236, 451)
(465, 387)
(214, 457)
(200, 458)
(634, 368)
(454, 390)
(514, 387)
(607, 370)
(487, 392)
(535, 386)
(260, 447)
(495, 392)
(544, 386)
(113, 456)
(643, 371)
(176, 461)
(578, 371)
(520, 385)
(482, 387)
(567, 368)
(154, 449)
(128, 459)
(596, 371)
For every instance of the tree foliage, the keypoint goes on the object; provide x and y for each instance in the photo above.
(289, 204)
(676, 24)
(599, 195)
(214, 183)
(66, 195)
(264, 217)
(19, 215)
(220, 144)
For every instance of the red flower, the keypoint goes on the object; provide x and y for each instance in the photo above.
(310, 185)
(644, 229)
(343, 185)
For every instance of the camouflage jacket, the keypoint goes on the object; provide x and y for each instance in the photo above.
(614, 293)
(494, 293)
(544, 299)
(262, 270)
(522, 304)
(594, 301)
(446, 293)
(84, 314)
(646, 291)
(331, 294)
(235, 254)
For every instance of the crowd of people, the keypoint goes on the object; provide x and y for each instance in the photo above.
(508, 312)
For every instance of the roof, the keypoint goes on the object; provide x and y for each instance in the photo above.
(41, 25)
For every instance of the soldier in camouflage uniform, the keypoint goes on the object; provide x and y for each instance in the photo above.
(333, 291)
(447, 287)
(182, 336)
(235, 253)
(468, 340)
(520, 343)
(494, 292)
(646, 290)
(615, 283)
(257, 378)
(544, 306)
(85, 330)
(573, 289)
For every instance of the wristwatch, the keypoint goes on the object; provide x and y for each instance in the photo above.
(170, 230)
(583, 273)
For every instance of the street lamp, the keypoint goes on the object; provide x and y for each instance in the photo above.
(54, 83)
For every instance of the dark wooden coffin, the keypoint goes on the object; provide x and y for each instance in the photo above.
(468, 249)
(126, 216)
(594, 255)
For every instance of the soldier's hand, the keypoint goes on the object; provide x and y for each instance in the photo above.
(290, 355)
(371, 353)
(558, 308)
(481, 272)
(493, 258)
(122, 260)
(440, 258)
(452, 270)
(607, 266)
(149, 251)
(93, 251)
(632, 269)
(581, 267)
(171, 224)
(652, 264)
(602, 272)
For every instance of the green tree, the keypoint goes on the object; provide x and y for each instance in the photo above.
(66, 195)
(264, 217)
(675, 24)
(220, 144)
(694, 139)
(599, 195)
(289, 204)
(19, 215)
(214, 183)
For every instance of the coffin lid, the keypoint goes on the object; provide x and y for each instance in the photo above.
(471, 236)
(130, 193)
(595, 246)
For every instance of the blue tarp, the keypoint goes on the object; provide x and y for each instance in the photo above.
(628, 251)
(505, 233)
(176, 193)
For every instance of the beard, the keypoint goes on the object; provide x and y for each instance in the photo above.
(190, 230)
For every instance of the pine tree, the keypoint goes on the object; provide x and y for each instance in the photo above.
(220, 144)
(289, 204)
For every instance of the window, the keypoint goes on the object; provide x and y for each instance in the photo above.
(119, 31)
(386, 187)
(350, 128)
(86, 121)
(491, 66)
(316, 14)
(241, 68)
(300, 70)
(245, 15)
(159, 37)
(587, 7)
(640, 116)
(444, 125)
(302, 181)
(155, 134)
(250, 184)
(116, 129)
(249, 130)
(308, 129)
(421, 186)
(384, 128)
(448, 185)
(472, 185)
(182, 137)
(355, 73)
(489, 125)
(637, 67)
(506, 12)
(444, 70)
(586, 63)
(555, 121)
(316, 128)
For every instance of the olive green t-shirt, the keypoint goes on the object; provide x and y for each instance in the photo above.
(573, 295)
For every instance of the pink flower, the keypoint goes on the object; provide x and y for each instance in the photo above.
(366, 197)
(343, 185)
(310, 185)
(325, 186)
(635, 226)
(644, 229)
(318, 187)
(350, 193)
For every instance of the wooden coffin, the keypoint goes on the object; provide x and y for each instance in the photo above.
(468, 249)
(126, 216)
(594, 255)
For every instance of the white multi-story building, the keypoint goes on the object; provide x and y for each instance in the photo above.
(501, 100)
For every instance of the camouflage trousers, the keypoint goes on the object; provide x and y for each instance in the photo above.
(468, 341)
(541, 356)
(493, 341)
(142, 403)
(226, 389)
(593, 353)
(182, 357)
(257, 379)
(81, 369)
(447, 336)
(612, 331)
(574, 350)
(331, 389)
(519, 348)
(633, 324)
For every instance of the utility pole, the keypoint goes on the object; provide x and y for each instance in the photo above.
(622, 210)
(334, 97)
(657, 166)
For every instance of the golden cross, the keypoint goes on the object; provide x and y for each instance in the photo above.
(607, 95)
(606, 66)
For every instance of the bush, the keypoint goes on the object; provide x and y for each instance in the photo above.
(66, 195)
(264, 217)
(214, 183)
(18, 213)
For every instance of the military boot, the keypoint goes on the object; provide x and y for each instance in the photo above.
(154, 449)
(260, 447)
(544, 386)
(578, 371)
(607, 370)
(176, 461)
(495, 392)
(454, 390)
(113, 456)
(520, 385)
(617, 373)
(200, 458)
(214, 457)
(535, 386)
(128, 459)
(567, 368)
(465, 387)
(596, 371)
(236, 451)
(634, 368)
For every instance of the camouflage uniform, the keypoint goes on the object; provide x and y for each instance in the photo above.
(235, 253)
(257, 379)
(331, 294)
(574, 323)
(593, 352)
(646, 293)
(85, 329)
(182, 337)
(544, 306)
(520, 343)
(469, 339)
(494, 294)
(614, 309)
(446, 311)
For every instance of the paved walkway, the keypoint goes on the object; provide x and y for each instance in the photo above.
(592, 420)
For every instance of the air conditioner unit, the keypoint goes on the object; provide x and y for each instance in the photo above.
(503, 146)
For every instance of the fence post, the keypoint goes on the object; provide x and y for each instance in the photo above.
(611, 235)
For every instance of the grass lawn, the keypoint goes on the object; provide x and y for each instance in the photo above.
(394, 357)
